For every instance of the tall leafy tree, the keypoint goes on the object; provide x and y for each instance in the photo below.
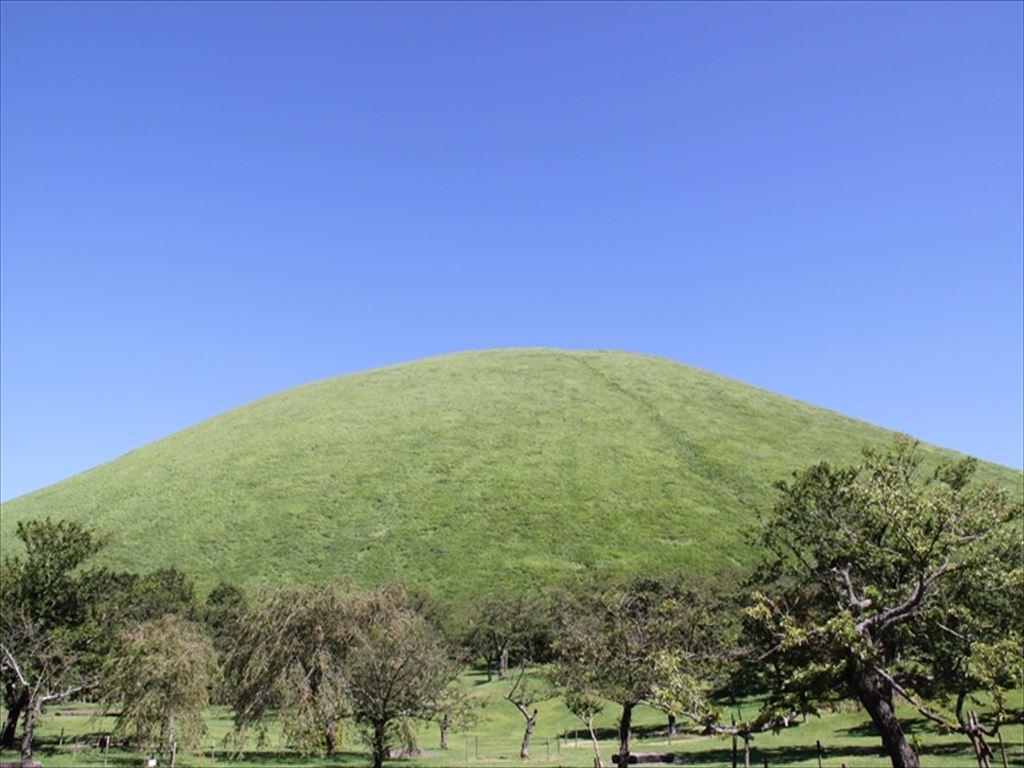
(396, 669)
(45, 598)
(868, 562)
(159, 683)
(613, 645)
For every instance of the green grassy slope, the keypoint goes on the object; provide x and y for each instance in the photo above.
(461, 472)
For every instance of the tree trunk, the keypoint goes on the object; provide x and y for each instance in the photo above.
(160, 741)
(503, 664)
(330, 739)
(30, 725)
(16, 707)
(444, 731)
(597, 748)
(671, 724)
(531, 721)
(380, 744)
(981, 751)
(625, 731)
(746, 750)
(872, 692)
(170, 740)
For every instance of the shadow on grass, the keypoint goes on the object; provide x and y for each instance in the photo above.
(779, 757)
(52, 754)
(293, 758)
(639, 732)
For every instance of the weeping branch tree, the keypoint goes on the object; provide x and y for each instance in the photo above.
(287, 658)
(870, 561)
(159, 682)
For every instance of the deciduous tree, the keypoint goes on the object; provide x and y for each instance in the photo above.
(510, 628)
(396, 669)
(159, 681)
(523, 694)
(45, 603)
(586, 708)
(611, 644)
(288, 658)
(867, 560)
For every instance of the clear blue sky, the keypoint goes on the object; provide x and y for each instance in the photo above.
(203, 204)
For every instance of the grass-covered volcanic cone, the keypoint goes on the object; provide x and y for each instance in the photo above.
(462, 472)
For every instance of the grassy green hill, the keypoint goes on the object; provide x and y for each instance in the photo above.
(462, 472)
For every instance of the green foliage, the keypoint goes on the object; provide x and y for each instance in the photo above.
(46, 642)
(46, 586)
(222, 613)
(885, 582)
(462, 474)
(288, 658)
(510, 628)
(158, 681)
(396, 669)
(318, 655)
(619, 644)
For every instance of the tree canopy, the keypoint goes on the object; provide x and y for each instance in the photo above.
(159, 683)
(867, 563)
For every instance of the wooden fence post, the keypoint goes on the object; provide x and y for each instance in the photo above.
(734, 741)
(1002, 748)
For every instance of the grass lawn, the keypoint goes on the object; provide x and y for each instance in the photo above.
(67, 737)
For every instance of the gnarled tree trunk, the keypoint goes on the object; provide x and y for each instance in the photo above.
(31, 712)
(875, 694)
(17, 701)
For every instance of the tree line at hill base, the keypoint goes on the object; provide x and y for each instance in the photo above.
(877, 584)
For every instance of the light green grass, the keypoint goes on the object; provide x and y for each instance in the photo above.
(463, 472)
(846, 737)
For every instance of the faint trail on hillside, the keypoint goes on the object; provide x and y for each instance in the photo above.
(691, 456)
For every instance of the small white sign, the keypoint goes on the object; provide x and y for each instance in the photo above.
(151, 763)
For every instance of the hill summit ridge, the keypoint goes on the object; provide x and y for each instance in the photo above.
(463, 472)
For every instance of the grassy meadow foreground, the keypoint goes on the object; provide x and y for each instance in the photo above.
(69, 735)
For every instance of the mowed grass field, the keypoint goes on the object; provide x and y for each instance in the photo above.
(461, 473)
(69, 733)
